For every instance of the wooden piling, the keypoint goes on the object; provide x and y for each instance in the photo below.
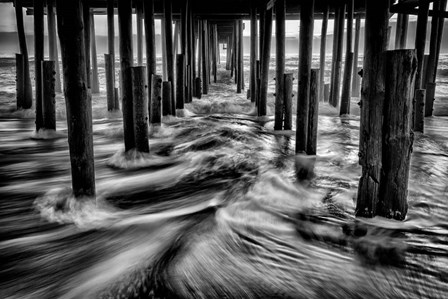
(241, 54)
(164, 65)
(420, 40)
(86, 16)
(20, 81)
(48, 95)
(155, 116)
(111, 49)
(150, 40)
(52, 43)
(372, 106)
(126, 62)
(167, 9)
(95, 80)
(397, 135)
(265, 59)
(253, 51)
(180, 84)
(346, 88)
(176, 37)
(166, 97)
(214, 54)
(140, 108)
(334, 53)
(280, 23)
(356, 85)
(430, 98)
(38, 58)
(441, 8)
(336, 83)
(323, 49)
(117, 100)
(28, 92)
(78, 103)
(431, 63)
(402, 31)
(109, 82)
(313, 113)
(139, 25)
(419, 120)
(204, 58)
(305, 55)
(326, 92)
(287, 96)
(198, 84)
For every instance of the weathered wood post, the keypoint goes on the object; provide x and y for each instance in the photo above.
(287, 95)
(204, 57)
(166, 97)
(52, 43)
(323, 49)
(327, 92)
(337, 17)
(335, 91)
(20, 81)
(192, 60)
(155, 115)
(420, 43)
(431, 69)
(442, 7)
(420, 40)
(346, 88)
(109, 82)
(150, 39)
(38, 58)
(139, 25)
(180, 77)
(95, 80)
(397, 135)
(48, 94)
(167, 9)
(311, 147)
(305, 55)
(28, 92)
(110, 73)
(164, 65)
(430, 98)
(241, 54)
(235, 51)
(419, 121)
(372, 106)
(86, 16)
(265, 59)
(401, 31)
(126, 62)
(280, 23)
(258, 83)
(176, 37)
(214, 54)
(253, 51)
(79, 105)
(355, 81)
(198, 84)
(140, 108)
(228, 53)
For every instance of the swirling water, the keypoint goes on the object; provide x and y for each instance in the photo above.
(215, 210)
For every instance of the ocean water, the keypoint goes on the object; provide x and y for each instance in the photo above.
(215, 210)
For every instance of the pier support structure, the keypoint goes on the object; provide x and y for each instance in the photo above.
(78, 102)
